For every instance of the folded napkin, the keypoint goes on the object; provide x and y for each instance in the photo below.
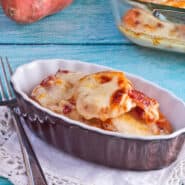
(61, 168)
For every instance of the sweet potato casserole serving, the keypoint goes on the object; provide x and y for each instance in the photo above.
(141, 27)
(107, 100)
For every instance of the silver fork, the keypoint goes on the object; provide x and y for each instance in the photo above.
(33, 168)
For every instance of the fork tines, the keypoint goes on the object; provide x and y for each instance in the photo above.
(5, 74)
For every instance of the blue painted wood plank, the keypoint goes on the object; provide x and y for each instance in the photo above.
(163, 68)
(83, 22)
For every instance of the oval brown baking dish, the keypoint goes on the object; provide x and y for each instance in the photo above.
(93, 144)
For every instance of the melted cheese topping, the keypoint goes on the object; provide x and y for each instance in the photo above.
(134, 123)
(106, 100)
(55, 88)
(149, 106)
(128, 124)
(50, 91)
(103, 95)
(69, 76)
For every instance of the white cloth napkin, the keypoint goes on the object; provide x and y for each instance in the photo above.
(61, 168)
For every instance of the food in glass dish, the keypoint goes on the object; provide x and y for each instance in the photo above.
(106, 99)
(174, 3)
(144, 29)
(138, 23)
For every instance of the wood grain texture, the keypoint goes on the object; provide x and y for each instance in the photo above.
(163, 68)
(84, 22)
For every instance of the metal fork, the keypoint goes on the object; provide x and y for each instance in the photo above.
(33, 168)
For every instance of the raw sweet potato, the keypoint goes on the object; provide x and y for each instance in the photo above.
(28, 11)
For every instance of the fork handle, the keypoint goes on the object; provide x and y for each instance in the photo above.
(33, 168)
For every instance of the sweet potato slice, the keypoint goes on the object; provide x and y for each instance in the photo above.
(28, 11)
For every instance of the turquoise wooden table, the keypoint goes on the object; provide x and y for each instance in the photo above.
(86, 31)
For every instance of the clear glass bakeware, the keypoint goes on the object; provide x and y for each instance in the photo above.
(142, 25)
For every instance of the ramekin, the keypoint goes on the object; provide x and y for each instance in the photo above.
(93, 144)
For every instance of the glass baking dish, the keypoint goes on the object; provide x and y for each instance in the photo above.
(140, 25)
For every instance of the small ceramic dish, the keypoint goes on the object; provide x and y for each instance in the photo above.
(93, 144)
